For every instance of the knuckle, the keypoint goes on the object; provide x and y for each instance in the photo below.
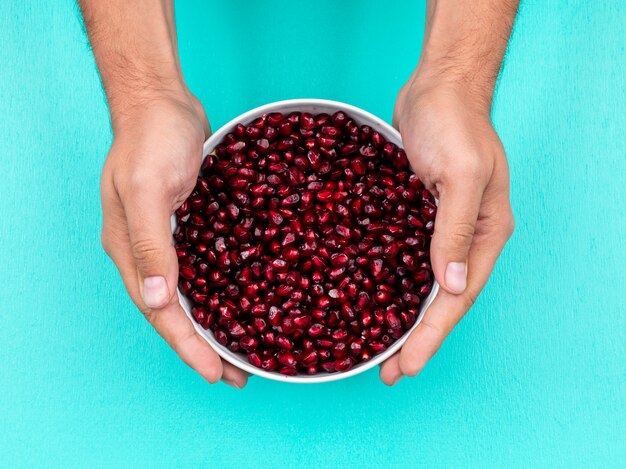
(504, 227)
(432, 328)
(470, 299)
(412, 365)
(467, 169)
(145, 251)
(509, 227)
(460, 234)
(155, 182)
(148, 313)
(213, 376)
(105, 241)
(138, 180)
(178, 341)
(410, 368)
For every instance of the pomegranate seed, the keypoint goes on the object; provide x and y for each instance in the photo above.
(187, 272)
(340, 349)
(410, 299)
(249, 343)
(316, 330)
(288, 370)
(356, 347)
(392, 321)
(306, 120)
(344, 364)
(286, 358)
(339, 118)
(309, 358)
(255, 359)
(269, 364)
(274, 118)
(343, 231)
(368, 151)
(339, 260)
(236, 330)
(377, 347)
(284, 342)
(382, 298)
(287, 325)
(425, 290)
(328, 366)
(358, 166)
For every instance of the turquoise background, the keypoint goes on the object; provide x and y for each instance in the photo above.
(535, 376)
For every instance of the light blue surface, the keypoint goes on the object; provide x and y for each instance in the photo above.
(535, 376)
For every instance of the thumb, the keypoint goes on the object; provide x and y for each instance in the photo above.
(459, 204)
(148, 216)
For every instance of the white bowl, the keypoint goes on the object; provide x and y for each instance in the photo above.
(314, 106)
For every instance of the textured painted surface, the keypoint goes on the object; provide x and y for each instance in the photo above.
(535, 376)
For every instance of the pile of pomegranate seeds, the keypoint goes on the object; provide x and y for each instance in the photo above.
(304, 244)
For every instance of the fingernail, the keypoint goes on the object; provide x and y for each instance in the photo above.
(456, 277)
(231, 383)
(155, 292)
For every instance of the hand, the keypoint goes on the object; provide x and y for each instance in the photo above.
(150, 170)
(453, 148)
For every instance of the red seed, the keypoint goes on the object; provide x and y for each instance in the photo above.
(236, 330)
(339, 118)
(288, 325)
(248, 343)
(339, 260)
(187, 271)
(309, 358)
(269, 364)
(288, 370)
(344, 364)
(358, 166)
(377, 347)
(328, 366)
(286, 358)
(255, 359)
(316, 330)
(392, 321)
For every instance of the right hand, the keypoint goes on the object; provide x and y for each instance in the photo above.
(150, 170)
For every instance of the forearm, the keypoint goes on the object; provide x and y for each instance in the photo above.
(134, 43)
(464, 43)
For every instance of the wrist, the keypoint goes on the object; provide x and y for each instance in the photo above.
(476, 96)
(128, 107)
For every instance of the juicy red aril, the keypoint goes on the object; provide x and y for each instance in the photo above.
(286, 358)
(304, 244)
(344, 364)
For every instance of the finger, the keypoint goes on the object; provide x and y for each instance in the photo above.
(459, 204)
(178, 331)
(233, 376)
(170, 322)
(148, 214)
(448, 309)
(390, 372)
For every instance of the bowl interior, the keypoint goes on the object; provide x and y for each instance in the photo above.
(314, 106)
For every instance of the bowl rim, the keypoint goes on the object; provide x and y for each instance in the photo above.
(238, 360)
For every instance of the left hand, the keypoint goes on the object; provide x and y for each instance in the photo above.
(453, 148)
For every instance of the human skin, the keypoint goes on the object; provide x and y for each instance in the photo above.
(159, 128)
(443, 115)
